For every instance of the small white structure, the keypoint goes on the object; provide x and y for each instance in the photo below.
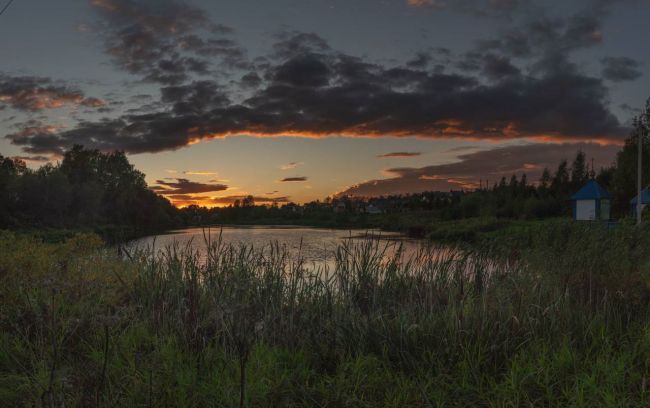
(591, 202)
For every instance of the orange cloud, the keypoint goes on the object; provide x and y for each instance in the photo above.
(444, 129)
(35, 99)
(37, 130)
(93, 102)
(461, 182)
(559, 139)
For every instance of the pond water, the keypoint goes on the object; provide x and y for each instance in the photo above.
(317, 246)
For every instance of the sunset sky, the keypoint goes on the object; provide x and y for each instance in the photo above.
(295, 100)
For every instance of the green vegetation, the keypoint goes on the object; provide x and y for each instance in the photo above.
(91, 190)
(552, 314)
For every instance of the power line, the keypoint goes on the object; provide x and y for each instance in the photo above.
(6, 6)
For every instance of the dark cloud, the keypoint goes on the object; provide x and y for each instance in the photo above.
(31, 93)
(620, 69)
(493, 66)
(303, 71)
(195, 98)
(185, 186)
(165, 41)
(36, 138)
(498, 67)
(470, 62)
(139, 98)
(411, 102)
(436, 57)
(486, 166)
(146, 108)
(400, 154)
(551, 40)
(363, 99)
(250, 80)
(304, 87)
(292, 179)
(421, 60)
(550, 37)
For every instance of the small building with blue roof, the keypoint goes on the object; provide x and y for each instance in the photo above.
(591, 202)
(645, 200)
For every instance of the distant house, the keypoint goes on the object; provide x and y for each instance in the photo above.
(591, 202)
(645, 200)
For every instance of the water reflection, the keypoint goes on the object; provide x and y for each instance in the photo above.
(316, 246)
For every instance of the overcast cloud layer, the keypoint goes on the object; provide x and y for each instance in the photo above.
(521, 83)
(304, 87)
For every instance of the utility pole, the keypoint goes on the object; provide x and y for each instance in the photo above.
(639, 134)
(642, 126)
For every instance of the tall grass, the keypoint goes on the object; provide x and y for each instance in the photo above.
(525, 322)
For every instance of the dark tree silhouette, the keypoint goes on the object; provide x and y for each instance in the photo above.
(87, 189)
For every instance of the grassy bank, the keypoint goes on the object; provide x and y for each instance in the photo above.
(110, 234)
(553, 316)
(333, 223)
(417, 224)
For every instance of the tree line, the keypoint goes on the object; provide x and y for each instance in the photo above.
(87, 189)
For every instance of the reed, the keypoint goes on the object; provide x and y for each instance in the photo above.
(527, 321)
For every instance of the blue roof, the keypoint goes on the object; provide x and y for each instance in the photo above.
(645, 197)
(591, 191)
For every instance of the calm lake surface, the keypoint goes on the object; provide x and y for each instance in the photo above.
(316, 246)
